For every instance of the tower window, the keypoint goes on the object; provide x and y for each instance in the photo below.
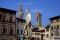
(37, 18)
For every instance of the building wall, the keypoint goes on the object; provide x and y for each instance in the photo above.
(36, 35)
(55, 28)
(47, 34)
(8, 29)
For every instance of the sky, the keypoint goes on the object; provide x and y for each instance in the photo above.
(47, 8)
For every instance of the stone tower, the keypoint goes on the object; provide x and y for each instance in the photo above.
(38, 19)
(20, 11)
(28, 16)
(27, 28)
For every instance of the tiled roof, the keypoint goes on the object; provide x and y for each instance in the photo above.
(56, 17)
(7, 10)
(42, 30)
(37, 30)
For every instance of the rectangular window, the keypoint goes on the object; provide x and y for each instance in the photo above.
(51, 34)
(13, 19)
(38, 33)
(52, 28)
(47, 29)
(0, 17)
(10, 19)
(47, 35)
(11, 31)
(35, 33)
(3, 18)
(7, 18)
(4, 31)
(57, 26)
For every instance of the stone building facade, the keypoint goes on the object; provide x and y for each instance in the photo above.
(38, 34)
(47, 32)
(55, 28)
(8, 29)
